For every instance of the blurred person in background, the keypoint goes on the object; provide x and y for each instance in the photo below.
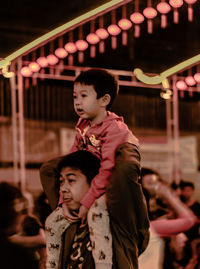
(12, 208)
(31, 226)
(194, 262)
(30, 235)
(187, 190)
(42, 208)
(161, 226)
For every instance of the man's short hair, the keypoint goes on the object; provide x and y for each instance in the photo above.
(102, 81)
(147, 171)
(82, 160)
(184, 184)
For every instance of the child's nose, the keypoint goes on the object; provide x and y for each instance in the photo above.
(77, 101)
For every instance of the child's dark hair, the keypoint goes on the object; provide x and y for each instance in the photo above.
(82, 160)
(103, 82)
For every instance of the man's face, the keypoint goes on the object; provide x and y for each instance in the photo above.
(73, 187)
(187, 193)
(149, 182)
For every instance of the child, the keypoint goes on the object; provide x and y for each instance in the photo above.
(100, 132)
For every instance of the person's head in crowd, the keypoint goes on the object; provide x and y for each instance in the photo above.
(149, 180)
(12, 208)
(76, 173)
(31, 225)
(187, 190)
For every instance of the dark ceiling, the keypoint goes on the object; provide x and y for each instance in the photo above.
(23, 21)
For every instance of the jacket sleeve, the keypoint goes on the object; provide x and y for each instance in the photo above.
(115, 136)
(49, 177)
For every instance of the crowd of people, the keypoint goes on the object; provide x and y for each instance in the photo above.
(173, 213)
(99, 209)
(174, 223)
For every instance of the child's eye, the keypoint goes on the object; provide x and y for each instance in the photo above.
(83, 95)
(70, 180)
(74, 96)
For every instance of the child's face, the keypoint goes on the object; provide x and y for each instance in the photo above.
(86, 104)
(73, 187)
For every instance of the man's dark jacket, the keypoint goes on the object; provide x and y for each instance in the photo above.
(125, 202)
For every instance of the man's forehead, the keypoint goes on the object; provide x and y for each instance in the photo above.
(70, 170)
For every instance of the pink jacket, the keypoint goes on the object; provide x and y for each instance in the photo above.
(102, 139)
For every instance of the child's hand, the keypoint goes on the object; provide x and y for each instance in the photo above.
(69, 217)
(83, 215)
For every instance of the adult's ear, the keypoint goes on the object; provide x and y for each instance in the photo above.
(106, 99)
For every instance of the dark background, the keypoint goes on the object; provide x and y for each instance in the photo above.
(23, 21)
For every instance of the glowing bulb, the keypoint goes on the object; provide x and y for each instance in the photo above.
(34, 67)
(81, 45)
(163, 7)
(26, 72)
(61, 53)
(190, 81)
(197, 77)
(102, 33)
(42, 61)
(70, 47)
(92, 38)
(52, 59)
(150, 12)
(124, 24)
(176, 3)
(181, 85)
(137, 18)
(113, 29)
(166, 94)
